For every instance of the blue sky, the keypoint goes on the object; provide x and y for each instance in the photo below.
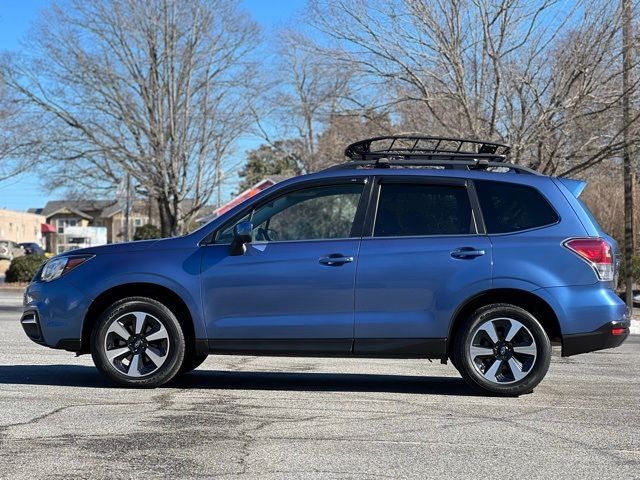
(16, 16)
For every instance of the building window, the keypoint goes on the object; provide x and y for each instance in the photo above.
(62, 223)
(138, 222)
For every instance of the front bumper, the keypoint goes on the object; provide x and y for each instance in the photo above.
(31, 325)
(53, 314)
(610, 335)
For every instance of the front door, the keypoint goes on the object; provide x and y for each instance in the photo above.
(293, 289)
(421, 258)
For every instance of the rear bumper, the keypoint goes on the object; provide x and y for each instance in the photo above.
(587, 316)
(609, 335)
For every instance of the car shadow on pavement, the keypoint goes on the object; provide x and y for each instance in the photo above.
(54, 375)
(322, 382)
(88, 377)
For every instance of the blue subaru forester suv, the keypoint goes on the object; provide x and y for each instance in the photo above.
(417, 247)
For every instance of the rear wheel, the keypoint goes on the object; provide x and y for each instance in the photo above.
(138, 342)
(502, 350)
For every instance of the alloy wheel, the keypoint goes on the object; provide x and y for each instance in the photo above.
(503, 350)
(136, 344)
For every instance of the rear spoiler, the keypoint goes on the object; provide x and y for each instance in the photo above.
(576, 187)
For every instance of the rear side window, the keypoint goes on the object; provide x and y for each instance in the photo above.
(421, 209)
(508, 207)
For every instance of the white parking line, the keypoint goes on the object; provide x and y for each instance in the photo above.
(11, 300)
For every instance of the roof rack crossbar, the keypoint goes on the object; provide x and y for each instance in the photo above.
(480, 162)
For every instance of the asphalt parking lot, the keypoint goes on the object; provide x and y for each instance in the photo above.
(249, 417)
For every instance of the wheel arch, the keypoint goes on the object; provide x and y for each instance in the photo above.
(529, 301)
(160, 293)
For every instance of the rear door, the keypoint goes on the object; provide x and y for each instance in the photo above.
(424, 252)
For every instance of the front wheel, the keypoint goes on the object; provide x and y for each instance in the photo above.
(502, 350)
(138, 342)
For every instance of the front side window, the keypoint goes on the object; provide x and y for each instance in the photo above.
(423, 209)
(315, 213)
(510, 207)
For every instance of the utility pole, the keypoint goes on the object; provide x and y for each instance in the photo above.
(628, 171)
(127, 210)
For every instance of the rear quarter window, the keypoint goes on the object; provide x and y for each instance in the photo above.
(509, 207)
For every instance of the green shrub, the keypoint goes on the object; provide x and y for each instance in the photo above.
(22, 269)
(146, 232)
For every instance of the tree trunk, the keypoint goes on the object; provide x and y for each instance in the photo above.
(170, 216)
(165, 217)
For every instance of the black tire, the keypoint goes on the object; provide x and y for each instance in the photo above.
(453, 361)
(191, 362)
(118, 320)
(477, 370)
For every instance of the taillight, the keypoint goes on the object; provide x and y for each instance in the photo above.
(597, 253)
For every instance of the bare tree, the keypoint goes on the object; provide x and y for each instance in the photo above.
(154, 88)
(19, 135)
(541, 75)
(308, 90)
(605, 198)
(348, 127)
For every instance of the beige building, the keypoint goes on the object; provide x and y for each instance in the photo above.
(62, 214)
(21, 227)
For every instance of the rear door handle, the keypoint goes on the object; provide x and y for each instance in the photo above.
(335, 260)
(467, 252)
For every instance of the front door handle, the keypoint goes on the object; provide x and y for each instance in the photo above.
(335, 260)
(467, 252)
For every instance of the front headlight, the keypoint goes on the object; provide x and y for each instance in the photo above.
(56, 267)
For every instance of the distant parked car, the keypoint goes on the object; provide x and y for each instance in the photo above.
(32, 248)
(9, 250)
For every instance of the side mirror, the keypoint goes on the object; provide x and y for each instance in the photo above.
(242, 233)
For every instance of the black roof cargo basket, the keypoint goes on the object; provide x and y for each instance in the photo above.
(424, 145)
(428, 151)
